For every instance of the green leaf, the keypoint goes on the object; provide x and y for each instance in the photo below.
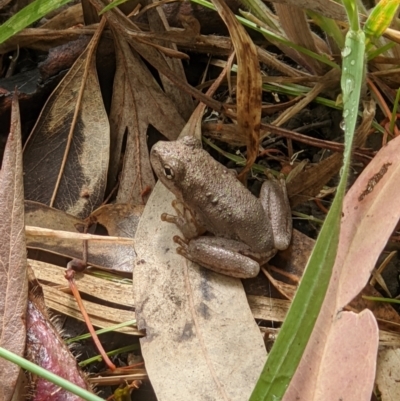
(28, 16)
(112, 5)
(51, 377)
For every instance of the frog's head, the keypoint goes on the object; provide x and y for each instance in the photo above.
(168, 162)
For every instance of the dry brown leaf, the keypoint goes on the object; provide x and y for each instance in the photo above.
(40, 215)
(14, 282)
(137, 102)
(370, 214)
(195, 320)
(297, 30)
(44, 39)
(158, 24)
(119, 220)
(67, 18)
(66, 155)
(248, 90)
(115, 253)
(130, 32)
(387, 374)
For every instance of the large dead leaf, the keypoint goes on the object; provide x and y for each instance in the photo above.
(13, 283)
(66, 155)
(200, 333)
(343, 346)
(137, 102)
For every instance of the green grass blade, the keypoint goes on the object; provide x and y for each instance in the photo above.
(288, 349)
(329, 26)
(273, 36)
(112, 5)
(27, 16)
(51, 377)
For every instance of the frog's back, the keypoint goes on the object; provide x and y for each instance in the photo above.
(222, 204)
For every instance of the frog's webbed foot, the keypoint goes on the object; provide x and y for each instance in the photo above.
(220, 255)
(184, 220)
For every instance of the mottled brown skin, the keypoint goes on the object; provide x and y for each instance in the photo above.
(220, 204)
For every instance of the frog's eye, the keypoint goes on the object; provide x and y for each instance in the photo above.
(169, 172)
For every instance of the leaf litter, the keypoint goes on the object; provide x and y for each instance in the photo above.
(130, 177)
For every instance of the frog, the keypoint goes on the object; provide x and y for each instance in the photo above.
(225, 227)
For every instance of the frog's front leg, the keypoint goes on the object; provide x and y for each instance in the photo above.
(184, 220)
(222, 255)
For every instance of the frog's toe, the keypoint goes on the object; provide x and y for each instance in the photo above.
(179, 207)
(180, 241)
(170, 218)
(183, 252)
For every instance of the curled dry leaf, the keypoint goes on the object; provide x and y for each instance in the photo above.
(66, 155)
(13, 282)
(248, 91)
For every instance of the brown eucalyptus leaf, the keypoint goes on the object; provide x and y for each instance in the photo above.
(137, 102)
(200, 333)
(151, 52)
(160, 21)
(13, 282)
(44, 39)
(40, 215)
(66, 155)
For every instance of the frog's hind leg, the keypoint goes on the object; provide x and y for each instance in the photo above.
(274, 199)
(220, 255)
